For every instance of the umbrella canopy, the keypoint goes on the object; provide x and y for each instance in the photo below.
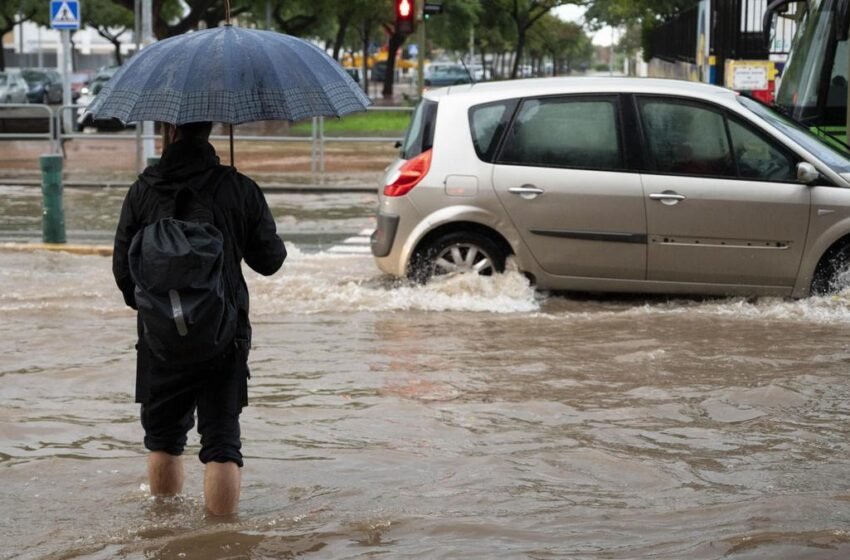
(229, 75)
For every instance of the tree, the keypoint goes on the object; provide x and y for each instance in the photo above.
(110, 21)
(623, 12)
(639, 16)
(16, 12)
(524, 14)
(565, 42)
(451, 29)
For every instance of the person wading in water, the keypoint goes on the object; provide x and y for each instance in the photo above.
(185, 227)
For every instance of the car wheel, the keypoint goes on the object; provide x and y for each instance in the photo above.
(457, 253)
(833, 272)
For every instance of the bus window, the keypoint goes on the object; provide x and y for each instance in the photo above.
(837, 96)
(801, 81)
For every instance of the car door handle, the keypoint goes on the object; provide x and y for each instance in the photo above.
(527, 191)
(667, 197)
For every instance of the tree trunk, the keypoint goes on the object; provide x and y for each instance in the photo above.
(396, 40)
(343, 22)
(73, 51)
(520, 47)
(117, 44)
(365, 35)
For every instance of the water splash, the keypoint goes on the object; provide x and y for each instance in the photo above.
(313, 283)
(316, 283)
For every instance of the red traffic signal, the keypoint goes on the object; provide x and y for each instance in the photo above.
(404, 16)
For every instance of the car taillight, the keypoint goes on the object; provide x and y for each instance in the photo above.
(409, 175)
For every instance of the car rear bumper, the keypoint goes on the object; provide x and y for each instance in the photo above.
(384, 235)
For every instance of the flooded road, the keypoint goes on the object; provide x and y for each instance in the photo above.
(472, 418)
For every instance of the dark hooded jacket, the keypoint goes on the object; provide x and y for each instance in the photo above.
(241, 213)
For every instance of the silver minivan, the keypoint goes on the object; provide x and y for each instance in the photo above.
(609, 184)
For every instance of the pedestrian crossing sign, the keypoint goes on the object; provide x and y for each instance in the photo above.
(65, 14)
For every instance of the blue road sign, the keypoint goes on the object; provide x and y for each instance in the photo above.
(65, 14)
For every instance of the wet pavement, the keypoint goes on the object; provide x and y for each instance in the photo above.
(471, 418)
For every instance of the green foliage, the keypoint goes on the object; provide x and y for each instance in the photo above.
(622, 12)
(372, 123)
(564, 41)
(106, 14)
(450, 30)
(14, 11)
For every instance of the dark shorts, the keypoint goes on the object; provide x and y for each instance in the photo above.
(218, 390)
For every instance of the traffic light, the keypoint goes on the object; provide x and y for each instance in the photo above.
(404, 16)
(431, 9)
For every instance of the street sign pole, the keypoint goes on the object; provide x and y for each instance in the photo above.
(65, 17)
(67, 122)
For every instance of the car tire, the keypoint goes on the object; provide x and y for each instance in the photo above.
(831, 270)
(457, 252)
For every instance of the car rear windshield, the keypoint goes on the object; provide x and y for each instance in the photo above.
(420, 134)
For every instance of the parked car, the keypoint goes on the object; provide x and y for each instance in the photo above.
(45, 85)
(13, 88)
(447, 76)
(102, 76)
(615, 184)
(79, 82)
(87, 95)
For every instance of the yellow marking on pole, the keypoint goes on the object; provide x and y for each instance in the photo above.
(100, 250)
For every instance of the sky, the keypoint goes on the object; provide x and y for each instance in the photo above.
(571, 12)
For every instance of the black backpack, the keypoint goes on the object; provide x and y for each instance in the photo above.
(185, 301)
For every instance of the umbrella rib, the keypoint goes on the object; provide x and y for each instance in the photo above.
(152, 75)
(182, 91)
(258, 37)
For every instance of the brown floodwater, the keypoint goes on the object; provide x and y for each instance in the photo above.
(471, 418)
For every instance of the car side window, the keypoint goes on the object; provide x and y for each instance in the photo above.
(565, 132)
(487, 123)
(686, 139)
(757, 158)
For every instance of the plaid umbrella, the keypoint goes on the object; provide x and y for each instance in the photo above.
(229, 75)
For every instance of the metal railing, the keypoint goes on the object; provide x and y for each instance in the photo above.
(733, 29)
(57, 133)
(18, 112)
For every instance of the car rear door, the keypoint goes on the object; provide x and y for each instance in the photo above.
(722, 203)
(561, 176)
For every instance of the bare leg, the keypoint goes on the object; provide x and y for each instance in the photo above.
(165, 473)
(221, 487)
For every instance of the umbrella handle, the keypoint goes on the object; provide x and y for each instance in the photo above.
(232, 163)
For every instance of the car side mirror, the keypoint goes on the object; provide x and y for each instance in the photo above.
(806, 173)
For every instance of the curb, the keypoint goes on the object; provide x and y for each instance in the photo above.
(99, 250)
